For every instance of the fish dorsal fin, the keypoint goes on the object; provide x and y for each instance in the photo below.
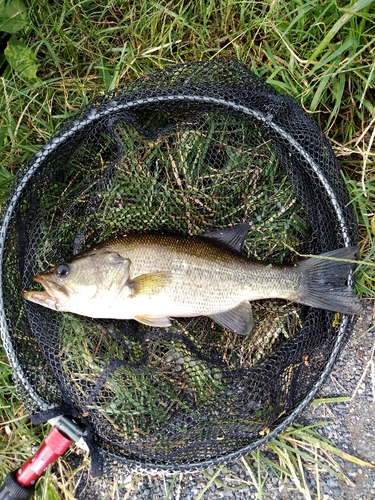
(158, 321)
(239, 319)
(233, 236)
(149, 284)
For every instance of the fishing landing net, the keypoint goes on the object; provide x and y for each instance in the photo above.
(186, 150)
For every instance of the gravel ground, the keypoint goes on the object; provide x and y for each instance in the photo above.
(352, 430)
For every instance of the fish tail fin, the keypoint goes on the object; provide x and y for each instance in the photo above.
(324, 282)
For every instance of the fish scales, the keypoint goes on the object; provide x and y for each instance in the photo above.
(203, 276)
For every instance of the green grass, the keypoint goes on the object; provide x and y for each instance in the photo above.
(57, 56)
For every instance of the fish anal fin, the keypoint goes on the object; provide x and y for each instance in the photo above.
(149, 284)
(157, 321)
(233, 236)
(239, 319)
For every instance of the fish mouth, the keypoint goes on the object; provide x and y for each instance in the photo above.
(51, 287)
(53, 296)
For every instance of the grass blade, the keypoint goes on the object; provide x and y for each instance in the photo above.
(350, 11)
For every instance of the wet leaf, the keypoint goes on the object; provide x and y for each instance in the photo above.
(13, 16)
(21, 58)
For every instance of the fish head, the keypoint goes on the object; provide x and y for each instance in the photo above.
(91, 280)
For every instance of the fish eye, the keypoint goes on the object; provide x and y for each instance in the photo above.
(62, 270)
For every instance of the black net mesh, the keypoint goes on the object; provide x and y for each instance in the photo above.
(186, 150)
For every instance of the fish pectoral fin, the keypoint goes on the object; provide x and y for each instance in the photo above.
(159, 321)
(149, 284)
(239, 319)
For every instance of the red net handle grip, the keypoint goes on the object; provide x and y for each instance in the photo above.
(19, 485)
(54, 445)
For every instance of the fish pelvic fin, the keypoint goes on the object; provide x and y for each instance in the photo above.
(156, 321)
(324, 282)
(239, 319)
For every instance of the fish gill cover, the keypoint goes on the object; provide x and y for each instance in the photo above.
(187, 150)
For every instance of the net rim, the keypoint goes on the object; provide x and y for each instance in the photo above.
(79, 124)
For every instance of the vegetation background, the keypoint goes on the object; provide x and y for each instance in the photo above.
(55, 56)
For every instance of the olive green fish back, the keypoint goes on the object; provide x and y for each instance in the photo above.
(187, 150)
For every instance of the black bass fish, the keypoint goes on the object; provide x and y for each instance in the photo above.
(152, 278)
